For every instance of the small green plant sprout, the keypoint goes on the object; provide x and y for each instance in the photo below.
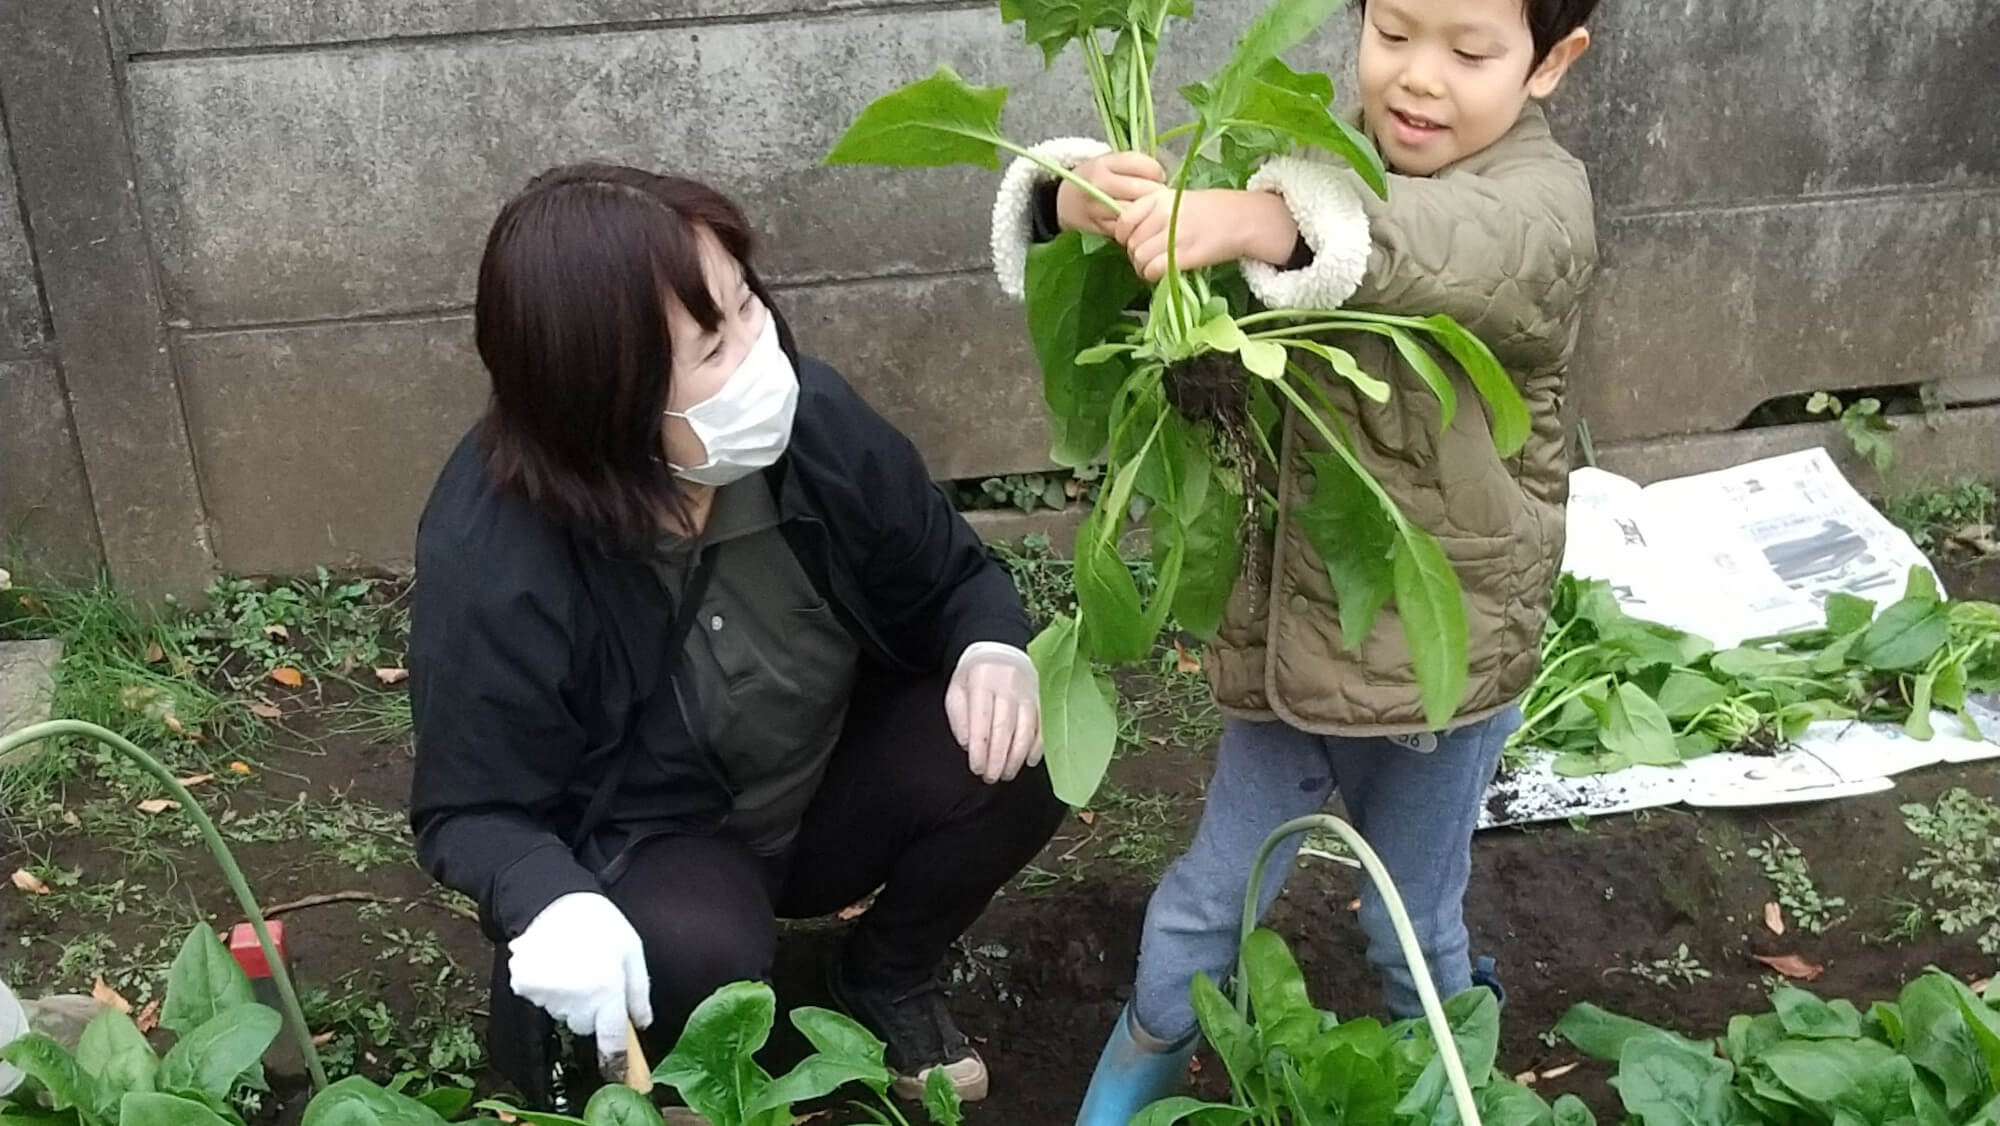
(1180, 391)
(1961, 863)
(1866, 427)
(1678, 968)
(1785, 866)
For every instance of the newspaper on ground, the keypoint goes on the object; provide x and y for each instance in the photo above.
(1740, 553)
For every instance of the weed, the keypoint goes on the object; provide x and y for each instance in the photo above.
(1785, 866)
(1138, 826)
(1867, 429)
(1934, 518)
(1679, 967)
(359, 835)
(322, 625)
(1961, 863)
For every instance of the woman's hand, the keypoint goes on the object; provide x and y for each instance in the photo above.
(994, 705)
(1216, 226)
(1124, 176)
(582, 962)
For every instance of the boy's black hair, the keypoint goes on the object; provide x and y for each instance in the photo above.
(1550, 20)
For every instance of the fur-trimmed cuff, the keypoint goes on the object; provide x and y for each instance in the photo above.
(1014, 205)
(1328, 211)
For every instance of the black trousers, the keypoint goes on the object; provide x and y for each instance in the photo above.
(898, 810)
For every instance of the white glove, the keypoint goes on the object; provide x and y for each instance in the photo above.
(994, 705)
(583, 963)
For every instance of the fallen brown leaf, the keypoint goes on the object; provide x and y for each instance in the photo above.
(504, 1116)
(1774, 918)
(1561, 1070)
(1354, 904)
(323, 1039)
(70, 818)
(239, 767)
(1185, 661)
(288, 676)
(173, 723)
(264, 710)
(1087, 816)
(155, 654)
(29, 882)
(278, 632)
(1791, 966)
(193, 780)
(392, 676)
(158, 805)
(110, 998)
(34, 606)
(1525, 1079)
(149, 1017)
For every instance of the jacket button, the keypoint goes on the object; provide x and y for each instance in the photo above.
(715, 624)
(1297, 603)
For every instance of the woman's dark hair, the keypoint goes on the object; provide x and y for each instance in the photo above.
(571, 325)
(1549, 21)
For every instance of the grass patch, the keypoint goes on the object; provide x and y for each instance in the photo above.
(1961, 864)
(1934, 517)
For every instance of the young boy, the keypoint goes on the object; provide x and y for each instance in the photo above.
(1487, 220)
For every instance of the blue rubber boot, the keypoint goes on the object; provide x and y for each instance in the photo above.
(1486, 972)
(1134, 1072)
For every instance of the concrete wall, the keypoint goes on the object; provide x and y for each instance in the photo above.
(1792, 195)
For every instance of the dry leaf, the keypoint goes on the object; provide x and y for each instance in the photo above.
(1561, 1070)
(158, 805)
(6, 579)
(1791, 966)
(323, 1039)
(70, 818)
(1354, 905)
(504, 1116)
(1087, 816)
(149, 1017)
(1185, 661)
(1525, 1079)
(288, 676)
(278, 632)
(1774, 918)
(267, 711)
(392, 676)
(193, 780)
(103, 994)
(173, 723)
(239, 767)
(29, 882)
(853, 911)
(35, 606)
(155, 654)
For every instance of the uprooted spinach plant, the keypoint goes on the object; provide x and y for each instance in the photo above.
(1929, 1058)
(1615, 690)
(1291, 1062)
(1182, 390)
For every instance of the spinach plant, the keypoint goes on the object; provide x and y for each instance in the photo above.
(1929, 1058)
(114, 1078)
(1615, 690)
(1181, 391)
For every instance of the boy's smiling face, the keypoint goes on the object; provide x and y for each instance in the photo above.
(1443, 79)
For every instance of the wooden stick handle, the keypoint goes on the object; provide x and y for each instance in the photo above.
(638, 1073)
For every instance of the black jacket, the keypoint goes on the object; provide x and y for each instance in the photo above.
(535, 655)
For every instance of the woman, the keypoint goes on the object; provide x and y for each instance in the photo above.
(697, 644)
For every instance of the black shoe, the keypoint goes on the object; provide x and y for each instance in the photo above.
(916, 1026)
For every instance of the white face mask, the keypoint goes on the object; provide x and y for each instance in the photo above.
(746, 425)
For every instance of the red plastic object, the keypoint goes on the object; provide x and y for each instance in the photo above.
(248, 954)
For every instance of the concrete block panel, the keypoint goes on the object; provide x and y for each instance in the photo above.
(45, 508)
(322, 184)
(319, 444)
(1742, 100)
(1698, 317)
(21, 322)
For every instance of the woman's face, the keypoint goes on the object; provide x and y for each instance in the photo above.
(703, 359)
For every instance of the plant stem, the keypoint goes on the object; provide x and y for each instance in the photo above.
(224, 859)
(1568, 694)
(1406, 935)
(1176, 133)
(1100, 88)
(1082, 185)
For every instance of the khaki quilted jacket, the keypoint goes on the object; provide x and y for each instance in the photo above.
(1504, 242)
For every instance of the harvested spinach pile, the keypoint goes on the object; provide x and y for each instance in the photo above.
(1615, 690)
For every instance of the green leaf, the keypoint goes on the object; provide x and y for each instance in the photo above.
(1806, 1016)
(1685, 694)
(1511, 424)
(357, 1102)
(712, 1064)
(50, 1064)
(1211, 549)
(1503, 1102)
(1846, 612)
(1079, 714)
(1750, 664)
(1432, 609)
(615, 1104)
(1356, 540)
(1219, 333)
(1907, 635)
(448, 1102)
(147, 1108)
(847, 1053)
(1638, 729)
(1918, 724)
(1474, 1016)
(1304, 117)
(1107, 596)
(1864, 1078)
(1075, 295)
(1053, 24)
(933, 121)
(1666, 1085)
(1263, 358)
(1936, 1037)
(1228, 1033)
(1571, 1111)
(838, 1036)
(531, 1117)
(1427, 369)
(1180, 1108)
(212, 1057)
(1980, 1020)
(1284, 1013)
(1280, 27)
(1353, 1078)
(1603, 1035)
(114, 1050)
(203, 983)
(1343, 365)
(941, 1099)
(1921, 586)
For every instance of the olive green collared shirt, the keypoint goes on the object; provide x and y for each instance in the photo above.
(771, 665)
